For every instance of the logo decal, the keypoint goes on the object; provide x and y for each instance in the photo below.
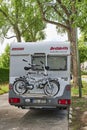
(58, 48)
(17, 49)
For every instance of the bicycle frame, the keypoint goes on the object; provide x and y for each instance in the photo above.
(37, 82)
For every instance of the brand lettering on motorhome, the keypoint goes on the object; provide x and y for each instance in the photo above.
(17, 49)
(58, 48)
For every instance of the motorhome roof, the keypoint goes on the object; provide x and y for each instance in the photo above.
(52, 47)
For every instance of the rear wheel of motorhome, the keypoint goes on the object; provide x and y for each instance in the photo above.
(19, 87)
(51, 88)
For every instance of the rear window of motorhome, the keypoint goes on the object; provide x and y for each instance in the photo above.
(57, 62)
(53, 61)
(36, 59)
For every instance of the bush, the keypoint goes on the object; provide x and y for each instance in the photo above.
(4, 88)
(83, 72)
(4, 75)
(5, 58)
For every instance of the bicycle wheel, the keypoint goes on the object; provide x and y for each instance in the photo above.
(51, 88)
(19, 87)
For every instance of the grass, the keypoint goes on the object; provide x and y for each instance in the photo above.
(79, 106)
(4, 88)
(75, 91)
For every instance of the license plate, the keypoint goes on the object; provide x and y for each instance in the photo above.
(39, 101)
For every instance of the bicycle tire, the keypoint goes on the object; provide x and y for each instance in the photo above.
(54, 85)
(19, 86)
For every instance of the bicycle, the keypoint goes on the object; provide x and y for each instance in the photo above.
(23, 84)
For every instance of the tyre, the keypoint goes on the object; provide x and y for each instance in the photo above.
(52, 88)
(19, 87)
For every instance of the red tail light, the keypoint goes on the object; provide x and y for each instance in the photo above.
(68, 87)
(10, 86)
(14, 100)
(69, 101)
(64, 101)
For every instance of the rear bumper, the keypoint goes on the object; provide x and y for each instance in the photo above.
(33, 102)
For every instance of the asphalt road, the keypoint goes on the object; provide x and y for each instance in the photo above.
(12, 118)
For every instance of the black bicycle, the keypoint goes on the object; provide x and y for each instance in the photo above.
(23, 84)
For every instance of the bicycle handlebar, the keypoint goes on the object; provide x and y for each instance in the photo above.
(41, 62)
(33, 65)
(25, 60)
(30, 64)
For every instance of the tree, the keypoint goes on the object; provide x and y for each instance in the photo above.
(63, 13)
(23, 17)
(83, 52)
(0, 62)
(5, 57)
(81, 21)
(83, 38)
(83, 48)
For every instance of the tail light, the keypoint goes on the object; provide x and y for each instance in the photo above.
(64, 101)
(68, 87)
(10, 86)
(14, 100)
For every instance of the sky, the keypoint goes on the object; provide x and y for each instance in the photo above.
(51, 35)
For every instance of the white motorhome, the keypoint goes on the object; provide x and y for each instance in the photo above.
(40, 75)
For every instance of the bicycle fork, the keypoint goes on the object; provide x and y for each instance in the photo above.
(50, 86)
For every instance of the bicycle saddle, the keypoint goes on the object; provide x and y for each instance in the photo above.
(27, 68)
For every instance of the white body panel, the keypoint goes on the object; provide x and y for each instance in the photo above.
(20, 51)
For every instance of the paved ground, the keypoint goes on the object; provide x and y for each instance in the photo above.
(12, 118)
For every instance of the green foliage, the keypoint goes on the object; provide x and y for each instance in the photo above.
(81, 18)
(4, 79)
(5, 58)
(23, 17)
(83, 38)
(34, 26)
(83, 48)
(83, 52)
(83, 72)
(65, 13)
(4, 88)
(4, 75)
